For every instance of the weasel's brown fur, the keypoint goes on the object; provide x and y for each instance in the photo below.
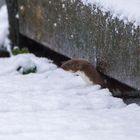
(76, 65)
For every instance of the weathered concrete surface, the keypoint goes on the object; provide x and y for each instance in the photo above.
(79, 31)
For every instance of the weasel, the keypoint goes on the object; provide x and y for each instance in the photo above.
(85, 69)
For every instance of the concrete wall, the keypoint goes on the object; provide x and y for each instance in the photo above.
(80, 31)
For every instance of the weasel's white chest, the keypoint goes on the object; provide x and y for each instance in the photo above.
(84, 77)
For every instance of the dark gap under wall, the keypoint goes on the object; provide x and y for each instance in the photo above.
(42, 51)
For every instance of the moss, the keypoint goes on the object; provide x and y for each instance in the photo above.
(17, 51)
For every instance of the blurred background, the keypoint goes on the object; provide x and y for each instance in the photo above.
(2, 2)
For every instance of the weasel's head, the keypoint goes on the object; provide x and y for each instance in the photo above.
(75, 65)
(85, 69)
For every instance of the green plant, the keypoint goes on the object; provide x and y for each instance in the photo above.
(17, 51)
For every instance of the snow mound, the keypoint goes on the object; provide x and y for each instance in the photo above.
(26, 61)
(128, 10)
(64, 90)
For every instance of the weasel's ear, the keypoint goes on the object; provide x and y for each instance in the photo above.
(79, 67)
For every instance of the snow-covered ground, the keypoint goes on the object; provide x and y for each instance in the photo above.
(52, 104)
(56, 105)
(128, 10)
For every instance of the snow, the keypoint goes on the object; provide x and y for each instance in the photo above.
(53, 104)
(4, 29)
(128, 10)
(3, 25)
